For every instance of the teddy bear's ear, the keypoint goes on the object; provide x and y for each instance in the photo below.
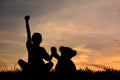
(74, 53)
(61, 48)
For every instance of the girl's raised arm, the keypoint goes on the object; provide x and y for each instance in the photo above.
(27, 27)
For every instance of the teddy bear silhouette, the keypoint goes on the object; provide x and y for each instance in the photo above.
(64, 64)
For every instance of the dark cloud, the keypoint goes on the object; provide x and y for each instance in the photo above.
(11, 48)
(13, 11)
(38, 7)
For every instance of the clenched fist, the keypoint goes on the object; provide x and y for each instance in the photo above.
(27, 17)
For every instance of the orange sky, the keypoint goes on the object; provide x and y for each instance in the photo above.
(91, 27)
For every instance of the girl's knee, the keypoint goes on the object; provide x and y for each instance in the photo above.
(50, 64)
(19, 61)
(22, 62)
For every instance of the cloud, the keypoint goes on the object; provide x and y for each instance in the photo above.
(87, 55)
(41, 7)
(13, 12)
(84, 56)
(2, 63)
(87, 22)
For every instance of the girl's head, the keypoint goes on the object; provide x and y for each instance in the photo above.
(36, 38)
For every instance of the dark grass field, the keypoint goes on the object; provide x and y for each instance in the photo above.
(82, 74)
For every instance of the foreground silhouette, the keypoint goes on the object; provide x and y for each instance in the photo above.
(82, 74)
(65, 64)
(36, 54)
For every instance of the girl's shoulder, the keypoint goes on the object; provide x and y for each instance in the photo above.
(42, 48)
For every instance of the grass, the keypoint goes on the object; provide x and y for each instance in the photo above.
(81, 74)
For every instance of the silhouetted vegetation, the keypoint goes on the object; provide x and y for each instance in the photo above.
(81, 74)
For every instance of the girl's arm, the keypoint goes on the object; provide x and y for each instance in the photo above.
(54, 53)
(28, 28)
(46, 55)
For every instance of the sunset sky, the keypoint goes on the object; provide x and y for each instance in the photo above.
(91, 27)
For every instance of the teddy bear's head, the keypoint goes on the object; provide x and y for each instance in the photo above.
(67, 52)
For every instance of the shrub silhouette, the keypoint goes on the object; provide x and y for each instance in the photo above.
(81, 74)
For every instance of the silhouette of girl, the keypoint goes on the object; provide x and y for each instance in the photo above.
(36, 53)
